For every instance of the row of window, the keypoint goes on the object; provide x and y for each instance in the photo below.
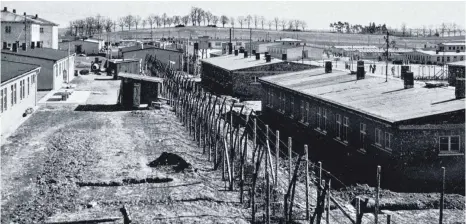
(277, 50)
(342, 124)
(8, 29)
(457, 48)
(24, 91)
(425, 58)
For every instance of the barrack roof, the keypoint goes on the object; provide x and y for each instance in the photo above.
(231, 62)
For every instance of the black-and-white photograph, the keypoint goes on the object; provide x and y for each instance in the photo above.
(310, 112)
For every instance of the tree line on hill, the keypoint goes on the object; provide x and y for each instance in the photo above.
(197, 17)
(404, 31)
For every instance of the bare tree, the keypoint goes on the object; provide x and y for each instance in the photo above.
(430, 29)
(256, 20)
(224, 20)
(122, 22)
(144, 23)
(460, 30)
(108, 24)
(283, 23)
(185, 20)
(232, 22)
(208, 16)
(241, 21)
(158, 21)
(269, 23)
(303, 24)
(169, 21)
(137, 21)
(453, 27)
(297, 23)
(151, 21)
(214, 20)
(249, 20)
(262, 21)
(443, 28)
(176, 20)
(129, 20)
(193, 15)
(403, 29)
(200, 16)
(276, 21)
(164, 19)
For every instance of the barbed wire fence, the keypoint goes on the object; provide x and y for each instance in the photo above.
(276, 183)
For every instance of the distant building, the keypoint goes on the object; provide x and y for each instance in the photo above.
(48, 32)
(294, 52)
(289, 41)
(18, 92)
(414, 130)
(452, 47)
(434, 57)
(166, 56)
(138, 90)
(238, 76)
(57, 67)
(259, 46)
(87, 46)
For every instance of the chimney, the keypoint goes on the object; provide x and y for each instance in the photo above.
(253, 52)
(32, 45)
(284, 57)
(37, 16)
(5, 9)
(24, 13)
(24, 47)
(245, 54)
(5, 45)
(360, 73)
(268, 58)
(230, 48)
(15, 47)
(14, 10)
(236, 52)
(459, 85)
(328, 67)
(409, 80)
(258, 56)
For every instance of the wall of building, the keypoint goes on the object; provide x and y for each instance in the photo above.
(216, 80)
(49, 37)
(13, 114)
(17, 33)
(419, 57)
(453, 72)
(160, 54)
(45, 80)
(451, 48)
(87, 47)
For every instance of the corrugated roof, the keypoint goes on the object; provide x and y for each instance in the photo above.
(458, 63)
(373, 96)
(12, 70)
(441, 53)
(287, 40)
(232, 62)
(42, 53)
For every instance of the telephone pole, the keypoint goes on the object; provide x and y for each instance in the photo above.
(386, 59)
(25, 31)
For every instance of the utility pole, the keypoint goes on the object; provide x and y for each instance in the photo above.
(250, 42)
(386, 52)
(25, 31)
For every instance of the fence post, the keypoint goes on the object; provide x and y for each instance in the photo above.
(319, 181)
(358, 210)
(254, 140)
(327, 217)
(389, 219)
(442, 195)
(307, 182)
(277, 155)
(290, 157)
(267, 194)
(377, 191)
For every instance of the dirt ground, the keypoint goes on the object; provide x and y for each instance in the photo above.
(75, 162)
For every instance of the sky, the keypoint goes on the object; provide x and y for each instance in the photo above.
(317, 14)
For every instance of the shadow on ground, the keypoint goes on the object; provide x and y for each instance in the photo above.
(101, 108)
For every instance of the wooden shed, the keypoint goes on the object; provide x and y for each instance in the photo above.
(116, 66)
(138, 90)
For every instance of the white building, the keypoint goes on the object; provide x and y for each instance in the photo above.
(57, 67)
(452, 47)
(87, 46)
(13, 29)
(18, 92)
(48, 32)
(434, 57)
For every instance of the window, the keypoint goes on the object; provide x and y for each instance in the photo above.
(461, 58)
(254, 79)
(319, 117)
(449, 48)
(33, 79)
(2, 100)
(41, 30)
(462, 48)
(345, 129)
(292, 106)
(388, 140)
(338, 126)
(301, 111)
(306, 117)
(448, 58)
(20, 89)
(28, 86)
(438, 58)
(362, 135)
(7, 29)
(378, 137)
(449, 143)
(282, 102)
(324, 115)
(24, 88)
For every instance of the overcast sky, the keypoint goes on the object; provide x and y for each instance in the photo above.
(318, 15)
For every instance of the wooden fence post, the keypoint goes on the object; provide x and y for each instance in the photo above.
(254, 137)
(319, 180)
(290, 158)
(267, 186)
(377, 191)
(358, 210)
(389, 219)
(277, 155)
(327, 217)
(307, 182)
(442, 195)
(269, 154)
